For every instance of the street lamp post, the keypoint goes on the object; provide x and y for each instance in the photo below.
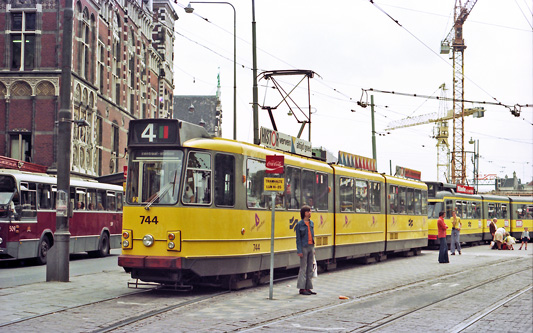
(57, 268)
(476, 161)
(189, 10)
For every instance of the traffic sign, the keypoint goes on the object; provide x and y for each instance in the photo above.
(274, 184)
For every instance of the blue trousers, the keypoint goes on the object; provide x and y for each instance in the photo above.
(455, 241)
(443, 251)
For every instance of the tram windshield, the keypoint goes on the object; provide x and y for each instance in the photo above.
(154, 177)
(434, 208)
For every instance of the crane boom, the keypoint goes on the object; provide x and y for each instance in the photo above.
(432, 117)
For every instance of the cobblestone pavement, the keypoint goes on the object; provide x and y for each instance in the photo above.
(369, 288)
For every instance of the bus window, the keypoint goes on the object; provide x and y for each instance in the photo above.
(44, 193)
(224, 180)
(119, 201)
(424, 202)
(449, 208)
(375, 197)
(361, 196)
(321, 191)
(418, 202)
(308, 188)
(91, 199)
(402, 200)
(255, 174)
(29, 199)
(81, 198)
(393, 199)
(111, 201)
(100, 200)
(346, 189)
(292, 188)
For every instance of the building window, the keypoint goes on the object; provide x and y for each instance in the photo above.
(101, 67)
(23, 40)
(21, 146)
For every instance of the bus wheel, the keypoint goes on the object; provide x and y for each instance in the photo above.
(103, 247)
(43, 251)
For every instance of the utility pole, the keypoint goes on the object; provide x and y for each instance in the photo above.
(57, 268)
(254, 73)
(374, 154)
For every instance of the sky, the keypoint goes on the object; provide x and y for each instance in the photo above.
(354, 45)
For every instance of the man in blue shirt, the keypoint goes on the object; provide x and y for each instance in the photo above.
(305, 246)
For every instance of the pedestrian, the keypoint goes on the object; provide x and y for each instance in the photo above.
(305, 247)
(456, 229)
(443, 251)
(509, 241)
(492, 228)
(498, 237)
(524, 238)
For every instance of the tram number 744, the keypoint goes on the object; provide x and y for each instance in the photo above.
(146, 219)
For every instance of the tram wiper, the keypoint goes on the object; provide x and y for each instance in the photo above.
(162, 192)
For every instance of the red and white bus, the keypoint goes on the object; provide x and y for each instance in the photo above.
(28, 215)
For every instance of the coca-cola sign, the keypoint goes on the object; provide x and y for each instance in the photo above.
(274, 163)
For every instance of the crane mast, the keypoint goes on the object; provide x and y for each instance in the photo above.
(455, 39)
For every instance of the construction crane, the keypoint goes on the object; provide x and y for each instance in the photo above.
(455, 40)
(440, 130)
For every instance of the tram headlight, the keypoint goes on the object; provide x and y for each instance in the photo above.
(125, 243)
(171, 245)
(148, 240)
(1, 240)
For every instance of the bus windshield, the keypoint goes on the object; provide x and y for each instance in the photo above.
(154, 177)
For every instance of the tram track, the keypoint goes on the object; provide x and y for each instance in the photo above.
(381, 324)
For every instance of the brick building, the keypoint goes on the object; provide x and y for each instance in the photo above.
(122, 69)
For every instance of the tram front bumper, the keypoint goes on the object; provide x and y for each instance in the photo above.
(152, 262)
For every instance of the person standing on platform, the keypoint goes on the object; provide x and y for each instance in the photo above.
(305, 246)
(492, 228)
(456, 230)
(443, 251)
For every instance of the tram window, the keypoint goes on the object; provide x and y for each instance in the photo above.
(361, 196)
(476, 210)
(119, 201)
(491, 211)
(449, 208)
(44, 193)
(402, 200)
(346, 190)
(468, 207)
(393, 199)
(321, 191)
(424, 202)
(308, 188)
(417, 202)
(224, 180)
(410, 200)
(434, 208)
(459, 208)
(29, 199)
(91, 199)
(292, 188)
(255, 175)
(375, 197)
(197, 186)
(504, 213)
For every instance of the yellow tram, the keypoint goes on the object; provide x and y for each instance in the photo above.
(196, 210)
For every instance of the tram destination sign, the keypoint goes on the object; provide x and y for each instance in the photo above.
(274, 184)
(153, 131)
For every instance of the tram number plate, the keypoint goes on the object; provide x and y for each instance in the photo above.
(257, 247)
(147, 219)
